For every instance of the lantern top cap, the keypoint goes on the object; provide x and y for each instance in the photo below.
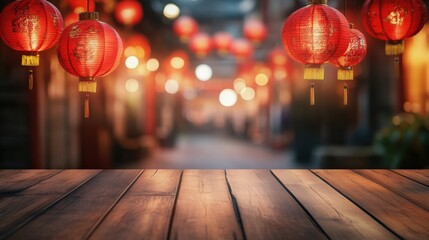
(88, 16)
(317, 1)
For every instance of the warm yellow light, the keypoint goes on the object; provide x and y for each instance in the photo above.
(171, 11)
(177, 62)
(152, 64)
(203, 72)
(130, 51)
(261, 79)
(171, 86)
(248, 94)
(239, 84)
(227, 97)
(131, 62)
(132, 85)
(140, 52)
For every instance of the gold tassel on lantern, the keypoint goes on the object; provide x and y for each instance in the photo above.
(30, 79)
(87, 86)
(345, 95)
(312, 95)
(394, 47)
(31, 60)
(345, 73)
(314, 72)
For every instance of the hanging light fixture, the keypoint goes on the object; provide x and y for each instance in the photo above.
(221, 42)
(354, 55)
(30, 26)
(241, 48)
(185, 27)
(255, 31)
(128, 12)
(89, 49)
(393, 21)
(313, 35)
(200, 44)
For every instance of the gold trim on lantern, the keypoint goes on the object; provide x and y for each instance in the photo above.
(314, 72)
(345, 73)
(88, 16)
(317, 1)
(30, 60)
(394, 47)
(88, 86)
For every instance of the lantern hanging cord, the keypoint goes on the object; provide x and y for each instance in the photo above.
(87, 5)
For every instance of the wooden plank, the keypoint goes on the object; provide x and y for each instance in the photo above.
(75, 215)
(204, 208)
(267, 210)
(397, 213)
(411, 190)
(421, 176)
(18, 208)
(337, 216)
(145, 210)
(18, 180)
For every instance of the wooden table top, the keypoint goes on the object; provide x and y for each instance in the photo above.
(214, 204)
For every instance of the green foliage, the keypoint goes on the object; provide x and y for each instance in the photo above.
(405, 142)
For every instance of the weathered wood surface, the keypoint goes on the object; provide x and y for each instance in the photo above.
(214, 204)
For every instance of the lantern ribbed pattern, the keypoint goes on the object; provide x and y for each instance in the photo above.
(314, 34)
(393, 21)
(185, 27)
(222, 41)
(128, 12)
(200, 44)
(30, 26)
(89, 48)
(255, 31)
(354, 55)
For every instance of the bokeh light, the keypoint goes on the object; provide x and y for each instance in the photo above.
(239, 84)
(261, 79)
(177, 62)
(171, 11)
(203, 72)
(227, 97)
(131, 62)
(171, 86)
(132, 85)
(152, 64)
(248, 94)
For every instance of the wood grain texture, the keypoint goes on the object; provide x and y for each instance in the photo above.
(397, 213)
(18, 180)
(144, 212)
(204, 208)
(339, 217)
(20, 207)
(421, 176)
(266, 208)
(411, 190)
(75, 215)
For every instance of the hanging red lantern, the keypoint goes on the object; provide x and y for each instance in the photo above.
(89, 49)
(393, 21)
(200, 44)
(354, 55)
(241, 49)
(255, 31)
(137, 45)
(185, 27)
(278, 61)
(128, 12)
(313, 35)
(222, 41)
(30, 26)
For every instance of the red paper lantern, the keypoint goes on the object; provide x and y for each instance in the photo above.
(241, 49)
(89, 49)
(200, 44)
(30, 26)
(137, 45)
(313, 35)
(354, 55)
(128, 12)
(185, 27)
(255, 31)
(222, 41)
(393, 21)
(278, 61)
